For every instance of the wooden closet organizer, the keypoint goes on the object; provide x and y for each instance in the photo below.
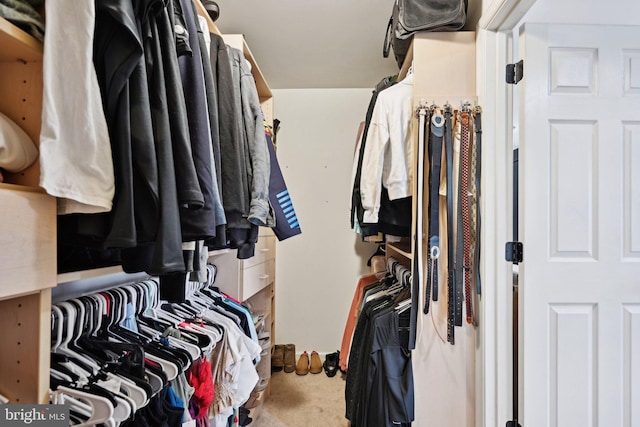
(444, 71)
(28, 255)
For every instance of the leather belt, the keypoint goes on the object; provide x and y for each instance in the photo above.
(436, 135)
(451, 284)
(476, 169)
(463, 194)
(418, 237)
(459, 243)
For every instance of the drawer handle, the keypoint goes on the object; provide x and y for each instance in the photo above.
(264, 250)
(263, 277)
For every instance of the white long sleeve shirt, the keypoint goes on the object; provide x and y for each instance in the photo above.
(388, 155)
(75, 151)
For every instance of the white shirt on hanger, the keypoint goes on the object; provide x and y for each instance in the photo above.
(75, 151)
(388, 155)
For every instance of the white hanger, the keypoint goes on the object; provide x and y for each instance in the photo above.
(193, 349)
(136, 393)
(170, 369)
(57, 318)
(60, 375)
(101, 410)
(122, 410)
(64, 345)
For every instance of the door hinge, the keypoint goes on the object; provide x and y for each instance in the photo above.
(515, 72)
(513, 252)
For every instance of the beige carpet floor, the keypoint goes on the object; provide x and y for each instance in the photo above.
(303, 401)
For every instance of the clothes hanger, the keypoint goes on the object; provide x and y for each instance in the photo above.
(126, 387)
(63, 376)
(137, 394)
(56, 322)
(101, 410)
(403, 306)
(58, 356)
(170, 361)
(69, 310)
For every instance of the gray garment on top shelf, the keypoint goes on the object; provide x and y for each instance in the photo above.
(22, 14)
(239, 221)
(258, 167)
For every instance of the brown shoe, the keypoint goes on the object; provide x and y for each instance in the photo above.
(277, 357)
(315, 365)
(302, 367)
(289, 358)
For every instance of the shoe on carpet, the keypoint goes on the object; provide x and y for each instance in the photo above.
(315, 364)
(289, 358)
(277, 358)
(330, 364)
(302, 367)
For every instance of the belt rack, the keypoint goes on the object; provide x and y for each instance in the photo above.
(440, 127)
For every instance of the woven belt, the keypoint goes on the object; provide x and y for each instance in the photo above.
(463, 197)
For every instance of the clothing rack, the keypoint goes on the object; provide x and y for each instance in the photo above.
(379, 342)
(178, 344)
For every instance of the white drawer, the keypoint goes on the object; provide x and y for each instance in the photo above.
(265, 250)
(257, 278)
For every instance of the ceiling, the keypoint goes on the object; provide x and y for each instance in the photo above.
(313, 43)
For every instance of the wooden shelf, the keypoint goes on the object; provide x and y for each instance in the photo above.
(28, 239)
(17, 45)
(400, 248)
(88, 274)
(17, 187)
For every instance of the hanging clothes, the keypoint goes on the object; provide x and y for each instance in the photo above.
(286, 221)
(254, 167)
(186, 361)
(352, 317)
(178, 124)
(383, 165)
(379, 386)
(197, 224)
(357, 211)
(75, 161)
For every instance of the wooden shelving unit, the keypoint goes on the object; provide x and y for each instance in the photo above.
(401, 251)
(28, 227)
(17, 45)
(449, 79)
(27, 231)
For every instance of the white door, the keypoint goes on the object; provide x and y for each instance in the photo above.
(580, 225)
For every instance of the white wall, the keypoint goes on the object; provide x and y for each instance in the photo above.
(614, 12)
(316, 272)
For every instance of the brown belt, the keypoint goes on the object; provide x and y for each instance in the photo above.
(465, 211)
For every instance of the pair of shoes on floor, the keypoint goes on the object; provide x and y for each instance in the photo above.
(308, 363)
(331, 362)
(284, 357)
